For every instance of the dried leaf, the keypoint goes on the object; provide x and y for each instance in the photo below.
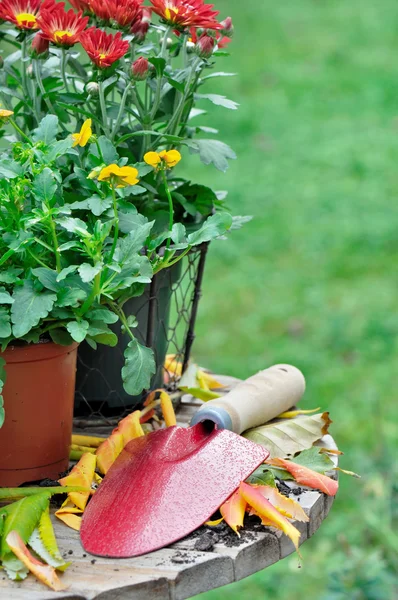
(108, 452)
(68, 513)
(214, 523)
(209, 382)
(167, 409)
(130, 427)
(288, 437)
(350, 473)
(81, 474)
(44, 573)
(87, 440)
(233, 511)
(291, 414)
(82, 449)
(204, 395)
(268, 513)
(287, 506)
(307, 477)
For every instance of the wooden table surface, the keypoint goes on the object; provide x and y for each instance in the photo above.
(178, 571)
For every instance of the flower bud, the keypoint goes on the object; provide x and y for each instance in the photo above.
(140, 69)
(205, 46)
(140, 28)
(190, 47)
(39, 46)
(92, 88)
(227, 27)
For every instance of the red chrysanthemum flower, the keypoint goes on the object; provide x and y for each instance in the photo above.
(124, 13)
(182, 14)
(22, 13)
(103, 49)
(61, 27)
(140, 28)
(81, 5)
(222, 41)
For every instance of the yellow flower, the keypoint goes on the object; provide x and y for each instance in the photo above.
(121, 176)
(164, 159)
(4, 114)
(85, 133)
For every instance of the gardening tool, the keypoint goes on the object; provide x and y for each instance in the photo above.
(166, 484)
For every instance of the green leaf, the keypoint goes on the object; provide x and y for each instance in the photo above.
(44, 185)
(313, 459)
(22, 516)
(47, 130)
(108, 150)
(133, 242)
(61, 337)
(100, 332)
(11, 275)
(87, 272)
(59, 149)
(130, 221)
(238, 222)
(102, 314)
(29, 307)
(287, 437)
(5, 297)
(5, 324)
(98, 205)
(70, 296)
(65, 272)
(212, 152)
(218, 100)
(219, 74)
(48, 278)
(74, 226)
(10, 169)
(78, 329)
(159, 64)
(213, 227)
(15, 569)
(139, 367)
(262, 476)
(178, 233)
(43, 542)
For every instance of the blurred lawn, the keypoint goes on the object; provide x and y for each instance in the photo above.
(312, 280)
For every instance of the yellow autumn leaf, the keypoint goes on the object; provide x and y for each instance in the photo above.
(81, 474)
(233, 511)
(290, 414)
(286, 506)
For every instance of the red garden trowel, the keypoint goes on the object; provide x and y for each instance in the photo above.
(166, 484)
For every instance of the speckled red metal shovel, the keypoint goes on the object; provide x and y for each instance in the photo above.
(165, 485)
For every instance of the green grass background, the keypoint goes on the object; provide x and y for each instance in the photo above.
(312, 280)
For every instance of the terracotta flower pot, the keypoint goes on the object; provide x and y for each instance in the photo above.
(38, 402)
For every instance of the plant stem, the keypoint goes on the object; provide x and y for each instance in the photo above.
(121, 111)
(64, 62)
(171, 209)
(36, 69)
(37, 259)
(23, 69)
(116, 231)
(19, 130)
(101, 96)
(55, 243)
(119, 312)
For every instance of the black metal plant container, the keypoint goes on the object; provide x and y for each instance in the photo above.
(166, 315)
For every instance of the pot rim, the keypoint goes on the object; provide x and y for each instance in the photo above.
(35, 352)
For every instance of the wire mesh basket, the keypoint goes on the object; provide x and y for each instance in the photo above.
(166, 315)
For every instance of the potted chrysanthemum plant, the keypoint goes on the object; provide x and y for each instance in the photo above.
(94, 122)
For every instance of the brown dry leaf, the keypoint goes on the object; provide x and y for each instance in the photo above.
(43, 572)
(286, 438)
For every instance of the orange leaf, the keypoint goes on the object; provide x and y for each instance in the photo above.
(233, 511)
(147, 415)
(269, 513)
(81, 474)
(108, 452)
(43, 572)
(286, 506)
(306, 476)
(71, 520)
(167, 409)
(130, 427)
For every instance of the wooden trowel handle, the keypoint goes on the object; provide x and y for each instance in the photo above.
(256, 400)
